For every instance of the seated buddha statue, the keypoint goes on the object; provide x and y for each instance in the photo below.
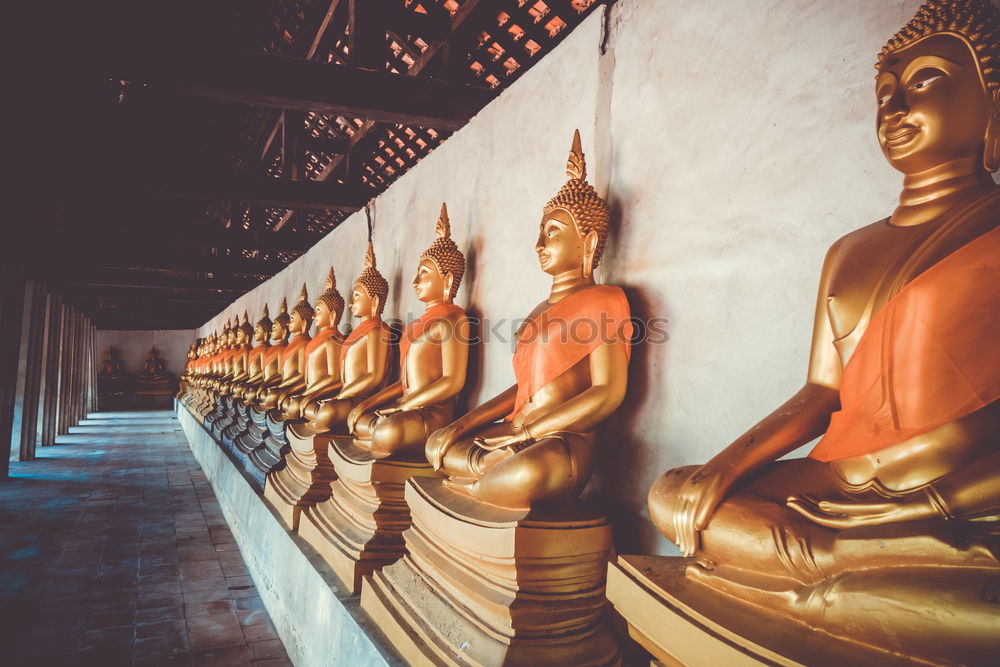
(434, 352)
(570, 364)
(887, 532)
(266, 399)
(364, 354)
(293, 358)
(246, 389)
(154, 368)
(321, 354)
(239, 359)
(111, 365)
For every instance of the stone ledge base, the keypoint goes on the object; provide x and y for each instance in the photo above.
(318, 623)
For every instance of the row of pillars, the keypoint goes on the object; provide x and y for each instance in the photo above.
(48, 367)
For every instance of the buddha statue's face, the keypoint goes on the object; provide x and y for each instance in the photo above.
(362, 305)
(932, 106)
(560, 246)
(260, 334)
(297, 325)
(323, 318)
(429, 283)
(241, 337)
(278, 332)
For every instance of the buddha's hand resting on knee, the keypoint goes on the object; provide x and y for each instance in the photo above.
(697, 499)
(849, 514)
(438, 444)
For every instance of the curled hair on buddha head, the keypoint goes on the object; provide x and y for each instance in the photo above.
(577, 197)
(976, 22)
(331, 298)
(372, 281)
(303, 308)
(246, 327)
(265, 321)
(282, 318)
(445, 253)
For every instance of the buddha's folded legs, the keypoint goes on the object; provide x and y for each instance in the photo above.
(768, 546)
(328, 413)
(405, 431)
(552, 468)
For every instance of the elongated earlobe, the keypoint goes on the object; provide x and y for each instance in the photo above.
(991, 151)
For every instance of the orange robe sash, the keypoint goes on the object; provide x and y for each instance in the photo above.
(321, 337)
(358, 333)
(300, 340)
(256, 352)
(930, 356)
(566, 332)
(272, 352)
(416, 328)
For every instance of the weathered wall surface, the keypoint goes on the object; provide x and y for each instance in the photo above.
(735, 141)
(134, 347)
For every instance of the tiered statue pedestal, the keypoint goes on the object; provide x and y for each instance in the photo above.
(158, 393)
(483, 585)
(257, 451)
(305, 479)
(681, 622)
(359, 528)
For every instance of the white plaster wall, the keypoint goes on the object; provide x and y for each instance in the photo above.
(134, 346)
(736, 141)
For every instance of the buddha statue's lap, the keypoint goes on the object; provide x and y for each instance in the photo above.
(906, 475)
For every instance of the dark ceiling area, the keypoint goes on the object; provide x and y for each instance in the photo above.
(187, 151)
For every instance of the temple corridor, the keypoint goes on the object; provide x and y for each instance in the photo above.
(113, 551)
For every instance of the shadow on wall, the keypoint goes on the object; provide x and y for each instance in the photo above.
(620, 456)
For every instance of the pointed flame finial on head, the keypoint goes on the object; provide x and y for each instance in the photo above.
(576, 165)
(265, 320)
(443, 229)
(331, 280)
(282, 317)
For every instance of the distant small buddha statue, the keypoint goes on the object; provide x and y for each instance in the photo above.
(434, 352)
(363, 355)
(543, 449)
(293, 358)
(322, 354)
(154, 368)
(272, 359)
(247, 388)
(111, 365)
(242, 335)
(888, 533)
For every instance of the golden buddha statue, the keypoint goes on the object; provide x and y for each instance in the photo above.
(390, 429)
(543, 450)
(434, 352)
(321, 354)
(239, 363)
(503, 564)
(293, 357)
(272, 359)
(886, 534)
(154, 368)
(111, 365)
(152, 383)
(364, 353)
(247, 389)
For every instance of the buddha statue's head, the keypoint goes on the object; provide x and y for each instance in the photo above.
(329, 305)
(938, 88)
(246, 331)
(231, 334)
(192, 352)
(574, 225)
(262, 330)
(441, 267)
(280, 326)
(370, 289)
(302, 314)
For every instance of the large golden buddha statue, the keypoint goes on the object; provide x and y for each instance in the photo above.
(364, 353)
(434, 352)
(887, 534)
(321, 354)
(293, 358)
(571, 367)
(503, 563)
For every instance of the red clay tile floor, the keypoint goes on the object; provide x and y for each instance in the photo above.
(113, 551)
